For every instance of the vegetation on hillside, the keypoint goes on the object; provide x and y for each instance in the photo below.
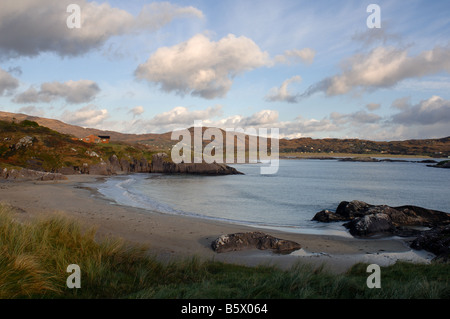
(28, 145)
(34, 257)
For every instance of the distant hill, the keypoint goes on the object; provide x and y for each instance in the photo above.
(328, 146)
(427, 147)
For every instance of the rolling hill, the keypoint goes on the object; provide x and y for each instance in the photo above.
(326, 147)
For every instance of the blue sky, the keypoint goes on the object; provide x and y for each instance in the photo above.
(309, 68)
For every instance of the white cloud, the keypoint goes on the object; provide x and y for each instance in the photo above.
(72, 91)
(202, 67)
(88, 116)
(305, 55)
(136, 111)
(182, 117)
(29, 27)
(263, 118)
(8, 83)
(382, 68)
(282, 93)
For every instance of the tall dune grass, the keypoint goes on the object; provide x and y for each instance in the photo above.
(34, 257)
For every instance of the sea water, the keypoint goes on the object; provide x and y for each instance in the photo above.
(289, 199)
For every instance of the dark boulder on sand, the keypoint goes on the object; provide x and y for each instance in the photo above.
(259, 240)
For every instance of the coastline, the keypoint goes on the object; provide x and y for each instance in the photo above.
(173, 236)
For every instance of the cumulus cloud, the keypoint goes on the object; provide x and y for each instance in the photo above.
(29, 27)
(8, 83)
(81, 91)
(263, 118)
(381, 68)
(136, 111)
(282, 94)
(182, 116)
(202, 67)
(88, 116)
(432, 111)
(305, 55)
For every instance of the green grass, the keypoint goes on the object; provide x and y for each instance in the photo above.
(34, 257)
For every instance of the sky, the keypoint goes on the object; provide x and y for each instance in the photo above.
(309, 68)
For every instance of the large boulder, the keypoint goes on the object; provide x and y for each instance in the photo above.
(371, 224)
(259, 240)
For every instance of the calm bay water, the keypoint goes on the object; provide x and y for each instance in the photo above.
(289, 199)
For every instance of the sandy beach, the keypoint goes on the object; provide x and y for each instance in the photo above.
(171, 236)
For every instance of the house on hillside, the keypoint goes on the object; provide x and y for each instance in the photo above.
(101, 139)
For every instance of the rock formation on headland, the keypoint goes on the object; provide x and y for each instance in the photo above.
(113, 166)
(161, 164)
(259, 240)
(365, 220)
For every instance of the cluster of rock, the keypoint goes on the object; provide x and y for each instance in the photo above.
(251, 240)
(365, 220)
(24, 142)
(162, 164)
(28, 174)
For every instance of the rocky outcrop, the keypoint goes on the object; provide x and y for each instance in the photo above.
(112, 166)
(161, 163)
(251, 240)
(28, 174)
(437, 241)
(24, 142)
(443, 164)
(367, 220)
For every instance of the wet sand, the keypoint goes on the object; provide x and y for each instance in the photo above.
(170, 237)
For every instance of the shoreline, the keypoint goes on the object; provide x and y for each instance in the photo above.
(172, 237)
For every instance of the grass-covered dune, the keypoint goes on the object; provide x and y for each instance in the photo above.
(34, 256)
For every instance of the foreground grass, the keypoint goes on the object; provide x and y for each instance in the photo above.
(34, 258)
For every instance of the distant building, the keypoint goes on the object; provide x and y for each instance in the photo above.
(104, 139)
(101, 139)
